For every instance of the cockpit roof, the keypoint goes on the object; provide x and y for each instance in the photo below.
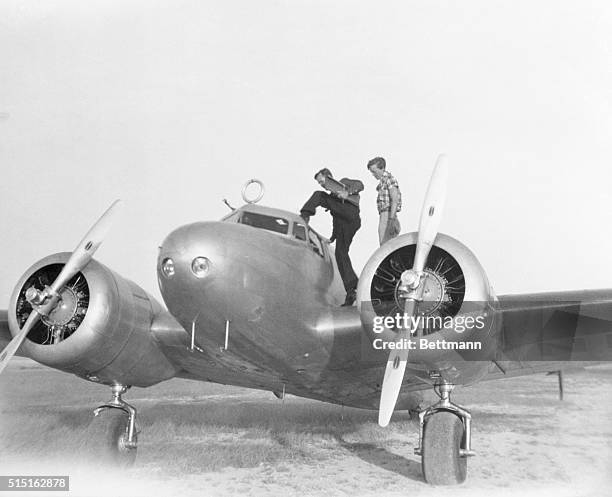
(271, 211)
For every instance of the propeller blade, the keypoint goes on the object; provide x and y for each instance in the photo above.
(85, 250)
(431, 213)
(392, 383)
(11, 349)
(394, 373)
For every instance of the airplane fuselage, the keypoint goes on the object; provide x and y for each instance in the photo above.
(267, 312)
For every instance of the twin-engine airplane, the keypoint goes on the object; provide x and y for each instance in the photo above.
(253, 300)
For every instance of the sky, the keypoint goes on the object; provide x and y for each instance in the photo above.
(172, 106)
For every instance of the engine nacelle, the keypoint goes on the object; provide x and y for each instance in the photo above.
(456, 287)
(100, 330)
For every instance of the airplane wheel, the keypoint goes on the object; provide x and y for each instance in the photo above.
(109, 430)
(443, 436)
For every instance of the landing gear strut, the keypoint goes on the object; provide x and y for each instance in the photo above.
(445, 438)
(116, 420)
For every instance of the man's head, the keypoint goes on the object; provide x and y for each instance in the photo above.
(322, 174)
(377, 166)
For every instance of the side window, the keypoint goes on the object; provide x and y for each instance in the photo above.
(299, 231)
(315, 243)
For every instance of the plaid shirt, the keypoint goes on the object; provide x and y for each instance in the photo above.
(383, 200)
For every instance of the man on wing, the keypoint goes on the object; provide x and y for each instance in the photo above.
(388, 200)
(343, 204)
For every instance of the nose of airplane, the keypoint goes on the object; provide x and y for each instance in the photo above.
(198, 270)
(201, 275)
(192, 255)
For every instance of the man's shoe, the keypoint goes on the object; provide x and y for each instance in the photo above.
(351, 296)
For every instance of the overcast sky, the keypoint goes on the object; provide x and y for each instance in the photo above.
(171, 106)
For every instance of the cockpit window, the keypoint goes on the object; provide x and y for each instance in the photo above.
(270, 223)
(299, 231)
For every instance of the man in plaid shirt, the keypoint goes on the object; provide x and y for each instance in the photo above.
(388, 201)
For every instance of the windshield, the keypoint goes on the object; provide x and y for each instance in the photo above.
(270, 223)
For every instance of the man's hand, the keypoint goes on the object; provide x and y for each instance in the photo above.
(343, 194)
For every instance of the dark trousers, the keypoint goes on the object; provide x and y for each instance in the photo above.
(346, 222)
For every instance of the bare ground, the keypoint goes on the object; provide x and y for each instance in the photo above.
(204, 439)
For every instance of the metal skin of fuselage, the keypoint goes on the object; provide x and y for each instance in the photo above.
(276, 302)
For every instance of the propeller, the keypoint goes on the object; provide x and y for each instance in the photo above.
(45, 301)
(412, 286)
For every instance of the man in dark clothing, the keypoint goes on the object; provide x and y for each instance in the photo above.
(343, 204)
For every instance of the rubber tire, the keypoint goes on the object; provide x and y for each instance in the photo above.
(108, 430)
(443, 437)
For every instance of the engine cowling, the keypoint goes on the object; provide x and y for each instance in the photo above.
(101, 329)
(456, 287)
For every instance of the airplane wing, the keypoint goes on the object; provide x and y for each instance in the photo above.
(5, 334)
(552, 331)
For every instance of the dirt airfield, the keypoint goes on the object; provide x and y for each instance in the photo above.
(205, 439)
